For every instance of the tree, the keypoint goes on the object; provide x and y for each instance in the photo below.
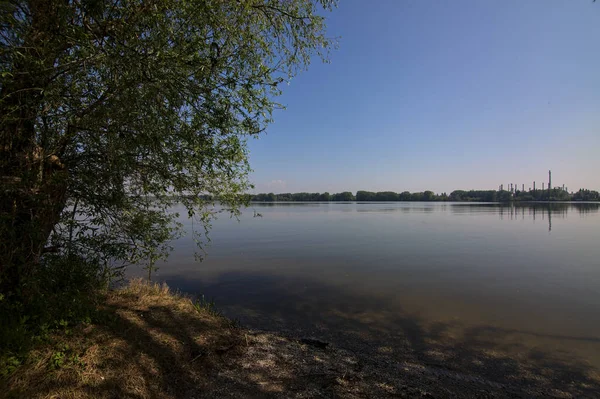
(416, 196)
(457, 195)
(284, 197)
(386, 196)
(111, 110)
(404, 196)
(428, 195)
(586, 195)
(365, 195)
(343, 197)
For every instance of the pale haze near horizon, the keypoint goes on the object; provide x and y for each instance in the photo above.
(438, 95)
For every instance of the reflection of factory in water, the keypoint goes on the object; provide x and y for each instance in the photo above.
(544, 211)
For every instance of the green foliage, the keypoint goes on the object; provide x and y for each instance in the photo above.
(57, 359)
(62, 293)
(478, 195)
(302, 197)
(586, 195)
(8, 365)
(110, 112)
(456, 195)
(64, 356)
(204, 305)
(343, 197)
(365, 196)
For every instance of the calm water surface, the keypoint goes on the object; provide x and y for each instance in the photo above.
(521, 282)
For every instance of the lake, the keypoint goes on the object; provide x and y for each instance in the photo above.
(514, 290)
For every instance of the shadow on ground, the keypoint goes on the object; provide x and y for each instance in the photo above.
(523, 363)
(148, 343)
(153, 345)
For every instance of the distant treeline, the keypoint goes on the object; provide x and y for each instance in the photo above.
(457, 195)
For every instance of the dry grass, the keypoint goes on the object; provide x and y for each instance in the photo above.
(151, 344)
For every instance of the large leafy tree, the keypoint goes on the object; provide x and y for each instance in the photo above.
(110, 110)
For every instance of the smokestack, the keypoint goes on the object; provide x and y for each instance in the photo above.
(542, 186)
(523, 189)
(533, 186)
(549, 184)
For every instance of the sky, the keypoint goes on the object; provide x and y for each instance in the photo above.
(442, 95)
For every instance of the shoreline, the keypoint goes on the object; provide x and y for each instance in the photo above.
(152, 343)
(425, 202)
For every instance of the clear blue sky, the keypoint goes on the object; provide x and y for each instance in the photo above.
(442, 95)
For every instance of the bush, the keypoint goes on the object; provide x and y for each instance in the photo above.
(63, 292)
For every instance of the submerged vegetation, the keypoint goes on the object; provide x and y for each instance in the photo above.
(457, 195)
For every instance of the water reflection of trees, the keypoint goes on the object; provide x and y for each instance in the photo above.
(290, 204)
(516, 210)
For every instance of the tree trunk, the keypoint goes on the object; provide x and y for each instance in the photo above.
(33, 196)
(33, 184)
